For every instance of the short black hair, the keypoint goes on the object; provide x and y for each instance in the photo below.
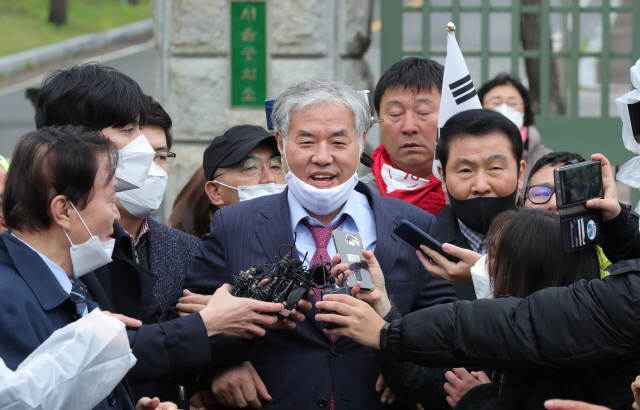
(92, 96)
(159, 117)
(412, 73)
(478, 123)
(502, 79)
(554, 158)
(49, 162)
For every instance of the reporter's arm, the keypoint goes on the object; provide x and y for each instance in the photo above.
(534, 331)
(621, 236)
(410, 382)
(184, 344)
(620, 225)
(239, 386)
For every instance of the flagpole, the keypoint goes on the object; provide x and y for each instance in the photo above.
(451, 27)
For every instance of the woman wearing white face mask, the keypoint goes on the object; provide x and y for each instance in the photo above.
(508, 96)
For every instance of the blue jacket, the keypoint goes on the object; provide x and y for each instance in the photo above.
(33, 306)
(301, 367)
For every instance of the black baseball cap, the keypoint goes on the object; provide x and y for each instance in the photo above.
(232, 146)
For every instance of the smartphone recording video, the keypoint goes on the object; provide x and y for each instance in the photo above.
(578, 183)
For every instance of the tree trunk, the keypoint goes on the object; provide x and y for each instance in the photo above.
(530, 35)
(58, 12)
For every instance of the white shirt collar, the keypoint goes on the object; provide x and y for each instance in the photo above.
(57, 271)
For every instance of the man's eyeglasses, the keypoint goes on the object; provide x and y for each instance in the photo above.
(540, 194)
(164, 157)
(253, 167)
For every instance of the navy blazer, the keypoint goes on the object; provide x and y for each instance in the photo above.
(301, 367)
(33, 306)
(163, 348)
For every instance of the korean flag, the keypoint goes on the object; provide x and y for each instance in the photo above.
(458, 92)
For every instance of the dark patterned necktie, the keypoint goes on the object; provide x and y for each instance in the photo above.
(79, 296)
(321, 236)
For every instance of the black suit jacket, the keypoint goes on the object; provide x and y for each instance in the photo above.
(301, 367)
(163, 348)
(449, 232)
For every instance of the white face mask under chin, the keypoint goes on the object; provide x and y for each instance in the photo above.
(511, 113)
(319, 201)
(248, 192)
(90, 255)
(144, 202)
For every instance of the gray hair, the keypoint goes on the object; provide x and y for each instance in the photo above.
(318, 91)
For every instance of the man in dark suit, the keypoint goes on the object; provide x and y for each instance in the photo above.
(60, 190)
(321, 127)
(483, 173)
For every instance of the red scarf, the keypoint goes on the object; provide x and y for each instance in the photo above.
(429, 197)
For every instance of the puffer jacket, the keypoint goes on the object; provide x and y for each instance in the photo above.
(587, 326)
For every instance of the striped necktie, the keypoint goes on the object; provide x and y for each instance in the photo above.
(79, 296)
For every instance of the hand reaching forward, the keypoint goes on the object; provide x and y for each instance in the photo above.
(146, 403)
(443, 268)
(357, 319)
(557, 404)
(609, 205)
(237, 317)
(460, 381)
(377, 298)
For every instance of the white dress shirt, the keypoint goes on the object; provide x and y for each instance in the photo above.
(360, 220)
(57, 271)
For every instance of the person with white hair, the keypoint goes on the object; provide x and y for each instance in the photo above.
(321, 126)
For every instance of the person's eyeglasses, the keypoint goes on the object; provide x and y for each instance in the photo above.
(496, 102)
(164, 157)
(253, 167)
(540, 194)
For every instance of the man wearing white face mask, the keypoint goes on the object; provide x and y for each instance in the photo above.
(509, 97)
(163, 251)
(234, 166)
(102, 99)
(320, 127)
(70, 195)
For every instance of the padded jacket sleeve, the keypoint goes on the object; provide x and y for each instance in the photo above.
(179, 345)
(621, 236)
(410, 382)
(575, 327)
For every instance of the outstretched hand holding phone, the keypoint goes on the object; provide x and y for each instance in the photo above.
(377, 298)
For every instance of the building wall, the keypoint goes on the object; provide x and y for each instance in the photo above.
(305, 38)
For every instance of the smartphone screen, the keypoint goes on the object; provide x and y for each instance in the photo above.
(579, 182)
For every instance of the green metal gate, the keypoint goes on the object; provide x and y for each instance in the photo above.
(570, 132)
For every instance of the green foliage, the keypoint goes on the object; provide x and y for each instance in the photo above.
(23, 23)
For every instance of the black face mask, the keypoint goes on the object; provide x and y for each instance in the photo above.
(479, 213)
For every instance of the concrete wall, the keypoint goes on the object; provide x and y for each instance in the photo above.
(305, 38)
